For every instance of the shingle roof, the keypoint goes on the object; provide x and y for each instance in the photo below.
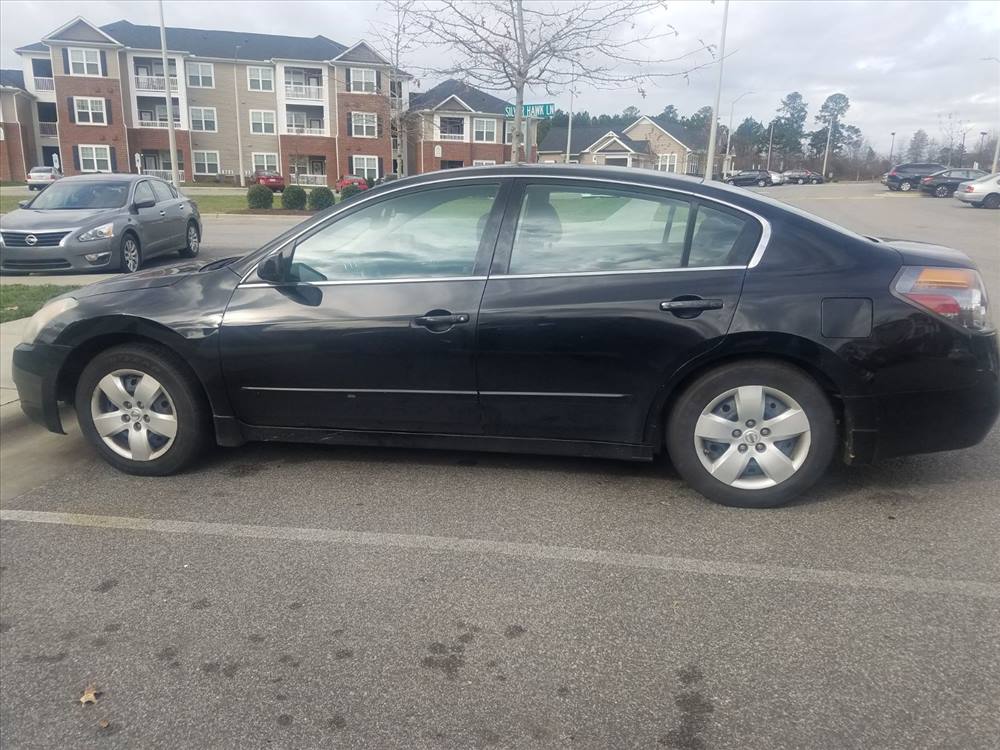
(361, 53)
(33, 47)
(10, 77)
(480, 101)
(207, 43)
(584, 136)
(690, 138)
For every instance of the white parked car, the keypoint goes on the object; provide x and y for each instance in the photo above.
(40, 178)
(777, 178)
(981, 193)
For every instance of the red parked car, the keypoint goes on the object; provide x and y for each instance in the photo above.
(271, 180)
(351, 179)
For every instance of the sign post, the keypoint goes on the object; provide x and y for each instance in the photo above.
(138, 162)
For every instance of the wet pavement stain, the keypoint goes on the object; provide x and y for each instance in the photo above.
(695, 711)
(202, 603)
(289, 661)
(285, 720)
(105, 586)
(344, 653)
(337, 721)
(211, 667)
(515, 631)
(112, 627)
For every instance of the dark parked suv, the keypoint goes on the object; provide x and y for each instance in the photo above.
(601, 312)
(758, 177)
(905, 177)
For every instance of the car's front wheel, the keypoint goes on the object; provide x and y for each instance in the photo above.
(814, 182)
(801, 181)
(906, 186)
(142, 409)
(761, 183)
(753, 434)
(131, 254)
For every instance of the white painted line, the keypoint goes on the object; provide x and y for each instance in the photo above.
(527, 551)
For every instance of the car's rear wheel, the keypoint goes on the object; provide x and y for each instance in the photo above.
(142, 409)
(906, 186)
(992, 201)
(801, 181)
(941, 191)
(815, 182)
(761, 183)
(192, 241)
(752, 434)
(131, 253)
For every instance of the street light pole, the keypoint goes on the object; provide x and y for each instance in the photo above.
(569, 125)
(171, 137)
(729, 133)
(710, 165)
(891, 144)
(770, 140)
(829, 133)
(239, 120)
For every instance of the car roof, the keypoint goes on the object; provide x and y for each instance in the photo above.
(112, 176)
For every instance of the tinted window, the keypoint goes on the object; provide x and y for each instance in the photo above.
(143, 192)
(66, 194)
(161, 191)
(715, 236)
(426, 234)
(571, 230)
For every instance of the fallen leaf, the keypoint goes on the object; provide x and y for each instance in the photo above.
(90, 694)
(104, 723)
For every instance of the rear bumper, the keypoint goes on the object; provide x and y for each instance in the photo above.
(969, 197)
(36, 371)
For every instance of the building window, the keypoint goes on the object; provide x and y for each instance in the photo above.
(452, 128)
(363, 80)
(365, 166)
(261, 121)
(201, 75)
(206, 162)
(364, 124)
(203, 119)
(484, 131)
(483, 163)
(667, 163)
(260, 79)
(95, 158)
(84, 62)
(89, 111)
(265, 162)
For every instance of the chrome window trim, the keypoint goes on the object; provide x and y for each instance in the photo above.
(613, 273)
(351, 282)
(765, 235)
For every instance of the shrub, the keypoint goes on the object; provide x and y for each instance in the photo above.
(293, 197)
(349, 192)
(259, 196)
(320, 198)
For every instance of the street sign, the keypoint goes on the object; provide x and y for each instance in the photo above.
(541, 111)
(55, 162)
(138, 162)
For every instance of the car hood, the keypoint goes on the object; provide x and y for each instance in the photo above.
(925, 253)
(41, 221)
(149, 279)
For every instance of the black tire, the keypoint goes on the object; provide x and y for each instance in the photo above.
(801, 181)
(992, 201)
(696, 397)
(906, 186)
(191, 410)
(129, 243)
(191, 247)
(761, 183)
(941, 191)
(814, 182)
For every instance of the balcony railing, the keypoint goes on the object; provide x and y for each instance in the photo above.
(452, 136)
(45, 84)
(302, 91)
(303, 130)
(154, 83)
(163, 174)
(157, 124)
(48, 129)
(308, 179)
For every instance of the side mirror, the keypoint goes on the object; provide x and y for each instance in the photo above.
(272, 269)
(23, 204)
(143, 204)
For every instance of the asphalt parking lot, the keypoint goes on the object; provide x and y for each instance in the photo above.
(304, 597)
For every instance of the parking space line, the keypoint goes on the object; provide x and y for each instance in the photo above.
(522, 550)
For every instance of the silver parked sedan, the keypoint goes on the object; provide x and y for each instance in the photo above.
(99, 222)
(981, 193)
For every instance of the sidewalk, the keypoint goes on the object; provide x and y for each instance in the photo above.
(10, 336)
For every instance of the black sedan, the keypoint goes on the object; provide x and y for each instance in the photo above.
(586, 311)
(758, 177)
(943, 184)
(802, 176)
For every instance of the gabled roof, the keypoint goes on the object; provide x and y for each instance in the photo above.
(34, 47)
(622, 140)
(690, 139)
(12, 78)
(471, 97)
(583, 137)
(80, 30)
(361, 52)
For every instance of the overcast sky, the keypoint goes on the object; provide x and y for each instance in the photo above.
(904, 65)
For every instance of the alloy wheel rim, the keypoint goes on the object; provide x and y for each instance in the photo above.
(134, 415)
(752, 437)
(193, 240)
(131, 255)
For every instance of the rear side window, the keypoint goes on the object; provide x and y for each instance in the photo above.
(564, 230)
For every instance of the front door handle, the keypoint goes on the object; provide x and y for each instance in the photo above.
(690, 307)
(163, 213)
(441, 320)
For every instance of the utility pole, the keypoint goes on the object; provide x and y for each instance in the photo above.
(569, 125)
(829, 133)
(770, 140)
(727, 167)
(891, 144)
(239, 119)
(170, 101)
(996, 157)
(710, 165)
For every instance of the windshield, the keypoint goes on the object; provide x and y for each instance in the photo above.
(82, 195)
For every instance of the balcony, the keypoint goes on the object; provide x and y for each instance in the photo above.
(48, 129)
(308, 179)
(155, 83)
(303, 91)
(303, 130)
(452, 136)
(45, 84)
(157, 124)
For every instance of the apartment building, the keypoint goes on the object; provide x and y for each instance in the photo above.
(17, 142)
(313, 109)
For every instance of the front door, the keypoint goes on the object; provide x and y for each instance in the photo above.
(596, 297)
(152, 220)
(374, 328)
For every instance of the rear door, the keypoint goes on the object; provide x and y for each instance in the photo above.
(597, 294)
(152, 222)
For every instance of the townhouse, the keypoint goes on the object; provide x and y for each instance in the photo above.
(97, 98)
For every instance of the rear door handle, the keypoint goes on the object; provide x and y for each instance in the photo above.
(441, 321)
(163, 213)
(691, 305)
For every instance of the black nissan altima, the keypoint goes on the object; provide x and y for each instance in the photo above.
(572, 310)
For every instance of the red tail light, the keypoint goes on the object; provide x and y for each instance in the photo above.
(892, 173)
(969, 189)
(955, 294)
(926, 181)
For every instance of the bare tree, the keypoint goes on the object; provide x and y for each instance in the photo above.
(511, 45)
(392, 34)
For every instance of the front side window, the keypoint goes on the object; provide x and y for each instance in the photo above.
(84, 62)
(600, 230)
(260, 79)
(265, 162)
(89, 111)
(206, 162)
(427, 234)
(143, 193)
(95, 158)
(365, 166)
(364, 124)
(201, 75)
(363, 80)
(484, 131)
(203, 118)
(261, 121)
